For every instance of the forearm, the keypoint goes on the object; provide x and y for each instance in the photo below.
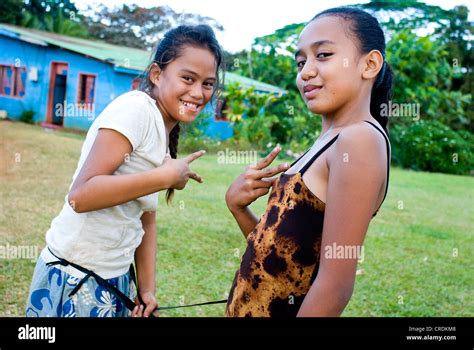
(325, 301)
(145, 261)
(245, 219)
(105, 191)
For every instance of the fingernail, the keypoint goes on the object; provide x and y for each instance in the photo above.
(286, 165)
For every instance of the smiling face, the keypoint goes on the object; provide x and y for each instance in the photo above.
(185, 85)
(329, 63)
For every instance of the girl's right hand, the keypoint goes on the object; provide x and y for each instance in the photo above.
(149, 306)
(179, 171)
(254, 182)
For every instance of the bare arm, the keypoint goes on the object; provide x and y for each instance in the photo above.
(96, 188)
(353, 187)
(252, 184)
(145, 261)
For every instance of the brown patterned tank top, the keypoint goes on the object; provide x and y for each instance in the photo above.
(281, 260)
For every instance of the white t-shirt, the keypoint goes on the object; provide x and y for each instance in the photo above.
(105, 240)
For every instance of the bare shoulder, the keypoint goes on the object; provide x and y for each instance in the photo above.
(361, 143)
(362, 134)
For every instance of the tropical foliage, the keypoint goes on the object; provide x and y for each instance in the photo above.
(429, 48)
(433, 76)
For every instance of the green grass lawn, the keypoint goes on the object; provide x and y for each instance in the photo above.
(418, 251)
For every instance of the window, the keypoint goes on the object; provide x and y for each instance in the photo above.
(136, 83)
(12, 81)
(86, 89)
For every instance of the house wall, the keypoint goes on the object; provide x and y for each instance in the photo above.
(216, 129)
(15, 52)
(109, 84)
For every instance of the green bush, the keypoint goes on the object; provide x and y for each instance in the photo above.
(27, 116)
(432, 146)
(257, 130)
(424, 75)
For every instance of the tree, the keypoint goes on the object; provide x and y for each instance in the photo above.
(432, 71)
(55, 16)
(451, 28)
(10, 11)
(135, 26)
(423, 75)
(271, 61)
(437, 139)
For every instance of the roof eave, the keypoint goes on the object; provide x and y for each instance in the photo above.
(127, 70)
(10, 34)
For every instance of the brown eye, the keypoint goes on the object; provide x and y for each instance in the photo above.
(323, 55)
(209, 85)
(300, 64)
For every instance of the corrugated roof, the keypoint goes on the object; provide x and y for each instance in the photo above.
(129, 58)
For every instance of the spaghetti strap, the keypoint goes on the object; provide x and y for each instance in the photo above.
(297, 159)
(325, 147)
(388, 155)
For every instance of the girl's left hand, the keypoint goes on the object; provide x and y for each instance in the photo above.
(150, 304)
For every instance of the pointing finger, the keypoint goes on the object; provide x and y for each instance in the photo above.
(263, 163)
(269, 172)
(193, 156)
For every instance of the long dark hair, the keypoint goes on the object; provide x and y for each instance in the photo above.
(370, 37)
(170, 48)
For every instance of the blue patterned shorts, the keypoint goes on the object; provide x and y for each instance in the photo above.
(51, 286)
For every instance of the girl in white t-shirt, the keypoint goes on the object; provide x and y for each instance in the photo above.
(108, 219)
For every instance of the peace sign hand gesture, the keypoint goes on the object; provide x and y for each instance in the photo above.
(180, 171)
(254, 182)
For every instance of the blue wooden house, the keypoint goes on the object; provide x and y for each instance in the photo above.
(68, 81)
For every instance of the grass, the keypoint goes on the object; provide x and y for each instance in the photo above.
(418, 251)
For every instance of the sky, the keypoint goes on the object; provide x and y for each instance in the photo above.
(244, 20)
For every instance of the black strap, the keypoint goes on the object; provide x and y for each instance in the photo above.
(388, 157)
(112, 289)
(200, 304)
(134, 279)
(102, 282)
(326, 146)
(79, 285)
(300, 157)
(313, 158)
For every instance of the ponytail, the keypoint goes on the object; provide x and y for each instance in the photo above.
(173, 145)
(381, 94)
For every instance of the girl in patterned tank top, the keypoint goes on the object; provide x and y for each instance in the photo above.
(302, 254)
